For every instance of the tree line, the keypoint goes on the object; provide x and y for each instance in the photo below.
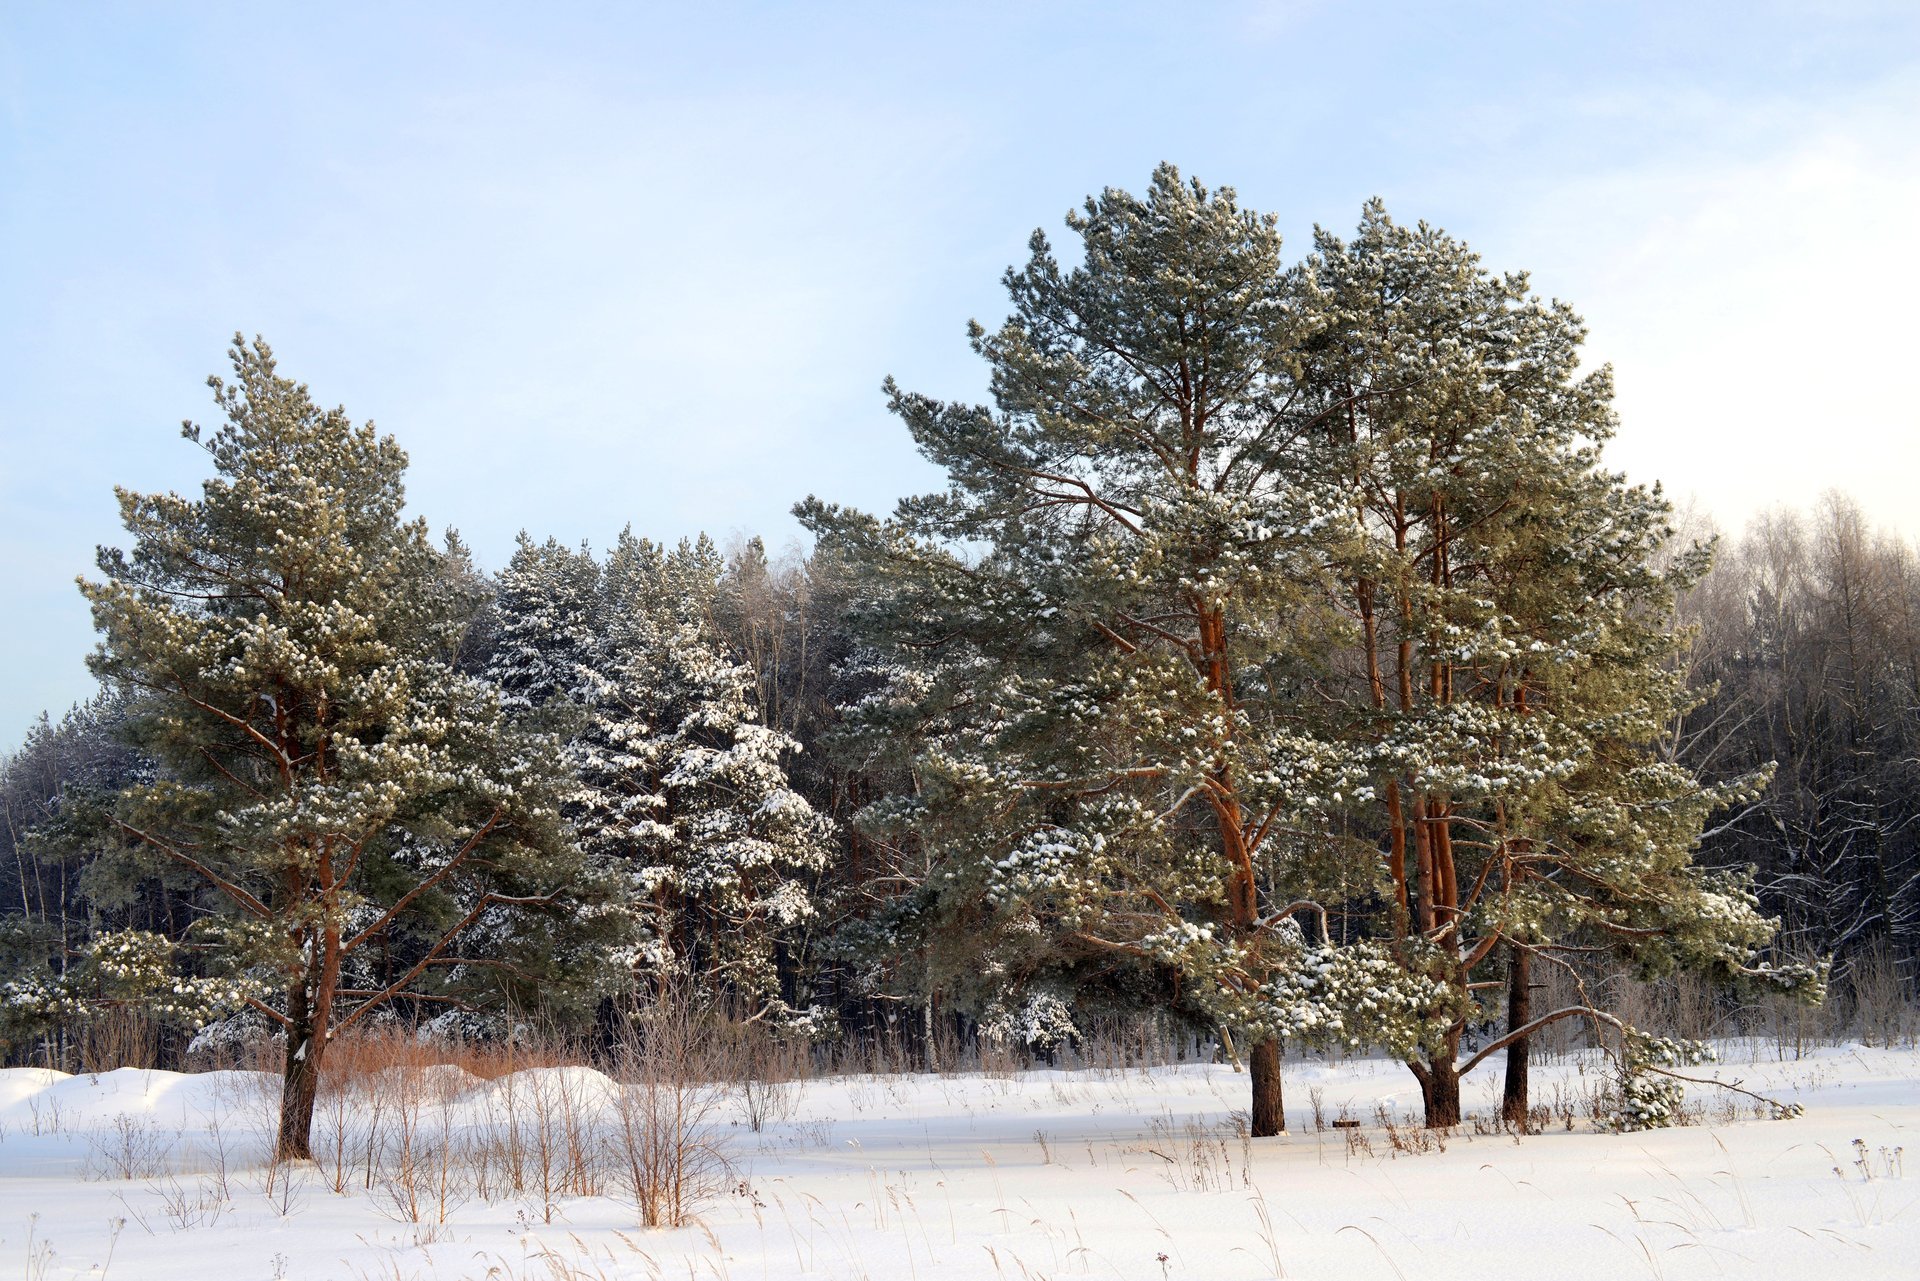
(1280, 659)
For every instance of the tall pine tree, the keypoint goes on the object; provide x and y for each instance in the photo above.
(1087, 643)
(366, 824)
(1513, 678)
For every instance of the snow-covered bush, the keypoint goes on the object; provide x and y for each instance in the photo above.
(1647, 1097)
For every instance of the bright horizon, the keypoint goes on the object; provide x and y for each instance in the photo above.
(620, 266)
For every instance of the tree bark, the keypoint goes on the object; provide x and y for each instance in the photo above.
(300, 1083)
(1440, 1091)
(1269, 1116)
(1513, 1101)
(1263, 1062)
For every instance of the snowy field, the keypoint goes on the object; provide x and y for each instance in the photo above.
(153, 1176)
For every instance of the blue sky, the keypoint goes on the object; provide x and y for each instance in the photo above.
(596, 265)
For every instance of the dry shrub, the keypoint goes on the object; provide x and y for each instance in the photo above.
(425, 1124)
(386, 1120)
(766, 1067)
(1409, 1140)
(1124, 1044)
(562, 1152)
(121, 1036)
(134, 1147)
(668, 1150)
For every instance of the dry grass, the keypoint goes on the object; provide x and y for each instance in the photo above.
(1198, 1157)
(424, 1126)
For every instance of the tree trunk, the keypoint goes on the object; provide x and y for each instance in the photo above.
(1263, 1061)
(1513, 1102)
(300, 1084)
(1440, 1090)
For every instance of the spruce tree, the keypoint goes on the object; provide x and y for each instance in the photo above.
(682, 796)
(549, 643)
(367, 825)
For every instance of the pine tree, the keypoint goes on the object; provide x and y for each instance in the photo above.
(52, 884)
(1084, 650)
(1514, 676)
(365, 822)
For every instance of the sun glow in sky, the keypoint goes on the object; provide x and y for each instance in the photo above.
(600, 265)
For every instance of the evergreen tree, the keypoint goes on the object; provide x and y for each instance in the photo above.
(1514, 676)
(52, 894)
(548, 641)
(1085, 648)
(366, 823)
(682, 794)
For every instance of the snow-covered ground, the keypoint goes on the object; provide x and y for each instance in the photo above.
(153, 1176)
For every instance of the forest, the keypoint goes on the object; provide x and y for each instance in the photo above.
(1281, 670)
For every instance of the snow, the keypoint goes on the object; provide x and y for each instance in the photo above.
(1128, 1174)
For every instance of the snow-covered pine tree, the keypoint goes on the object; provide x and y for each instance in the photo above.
(548, 641)
(1513, 679)
(1087, 648)
(360, 815)
(683, 792)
